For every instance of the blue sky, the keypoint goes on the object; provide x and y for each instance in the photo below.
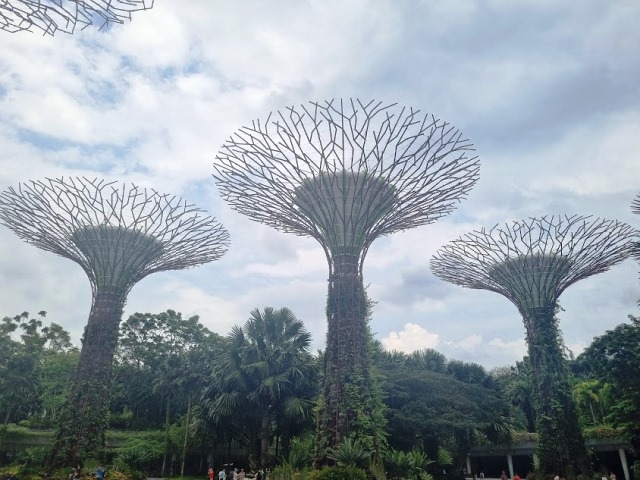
(546, 91)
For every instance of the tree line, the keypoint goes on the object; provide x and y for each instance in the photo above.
(201, 397)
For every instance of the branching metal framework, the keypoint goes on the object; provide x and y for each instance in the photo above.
(53, 16)
(532, 262)
(346, 173)
(118, 234)
(635, 208)
(365, 169)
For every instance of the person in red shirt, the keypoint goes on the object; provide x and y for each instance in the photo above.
(211, 473)
(516, 477)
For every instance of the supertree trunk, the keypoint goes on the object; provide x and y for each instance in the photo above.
(82, 426)
(347, 381)
(561, 448)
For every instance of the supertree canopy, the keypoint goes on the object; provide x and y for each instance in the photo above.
(118, 234)
(53, 16)
(346, 173)
(532, 262)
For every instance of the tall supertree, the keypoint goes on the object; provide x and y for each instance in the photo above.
(53, 16)
(118, 234)
(346, 173)
(531, 262)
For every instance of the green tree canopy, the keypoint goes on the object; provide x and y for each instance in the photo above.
(266, 369)
(614, 358)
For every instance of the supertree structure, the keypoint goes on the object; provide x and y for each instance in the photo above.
(531, 262)
(346, 173)
(53, 16)
(118, 234)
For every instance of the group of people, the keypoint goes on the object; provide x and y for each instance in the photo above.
(235, 474)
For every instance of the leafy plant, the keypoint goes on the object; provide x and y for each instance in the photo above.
(351, 453)
(300, 454)
(32, 457)
(399, 464)
(444, 457)
(405, 465)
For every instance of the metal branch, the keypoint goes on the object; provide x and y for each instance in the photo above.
(119, 231)
(53, 16)
(531, 262)
(346, 172)
(635, 205)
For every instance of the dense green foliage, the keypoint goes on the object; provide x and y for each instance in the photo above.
(250, 398)
(612, 362)
(164, 362)
(35, 366)
(453, 408)
(266, 371)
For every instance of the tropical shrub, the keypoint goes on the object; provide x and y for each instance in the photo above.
(339, 473)
(352, 452)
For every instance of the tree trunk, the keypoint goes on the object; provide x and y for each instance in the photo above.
(561, 447)
(83, 421)
(264, 437)
(593, 415)
(186, 436)
(166, 437)
(347, 403)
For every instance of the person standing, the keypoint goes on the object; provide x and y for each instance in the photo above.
(211, 474)
(222, 475)
(100, 473)
(516, 477)
(504, 476)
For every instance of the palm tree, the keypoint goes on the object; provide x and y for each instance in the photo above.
(589, 393)
(267, 369)
(520, 391)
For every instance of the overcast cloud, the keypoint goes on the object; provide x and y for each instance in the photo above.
(547, 91)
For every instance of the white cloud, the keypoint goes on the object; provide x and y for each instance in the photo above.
(469, 344)
(412, 337)
(513, 345)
